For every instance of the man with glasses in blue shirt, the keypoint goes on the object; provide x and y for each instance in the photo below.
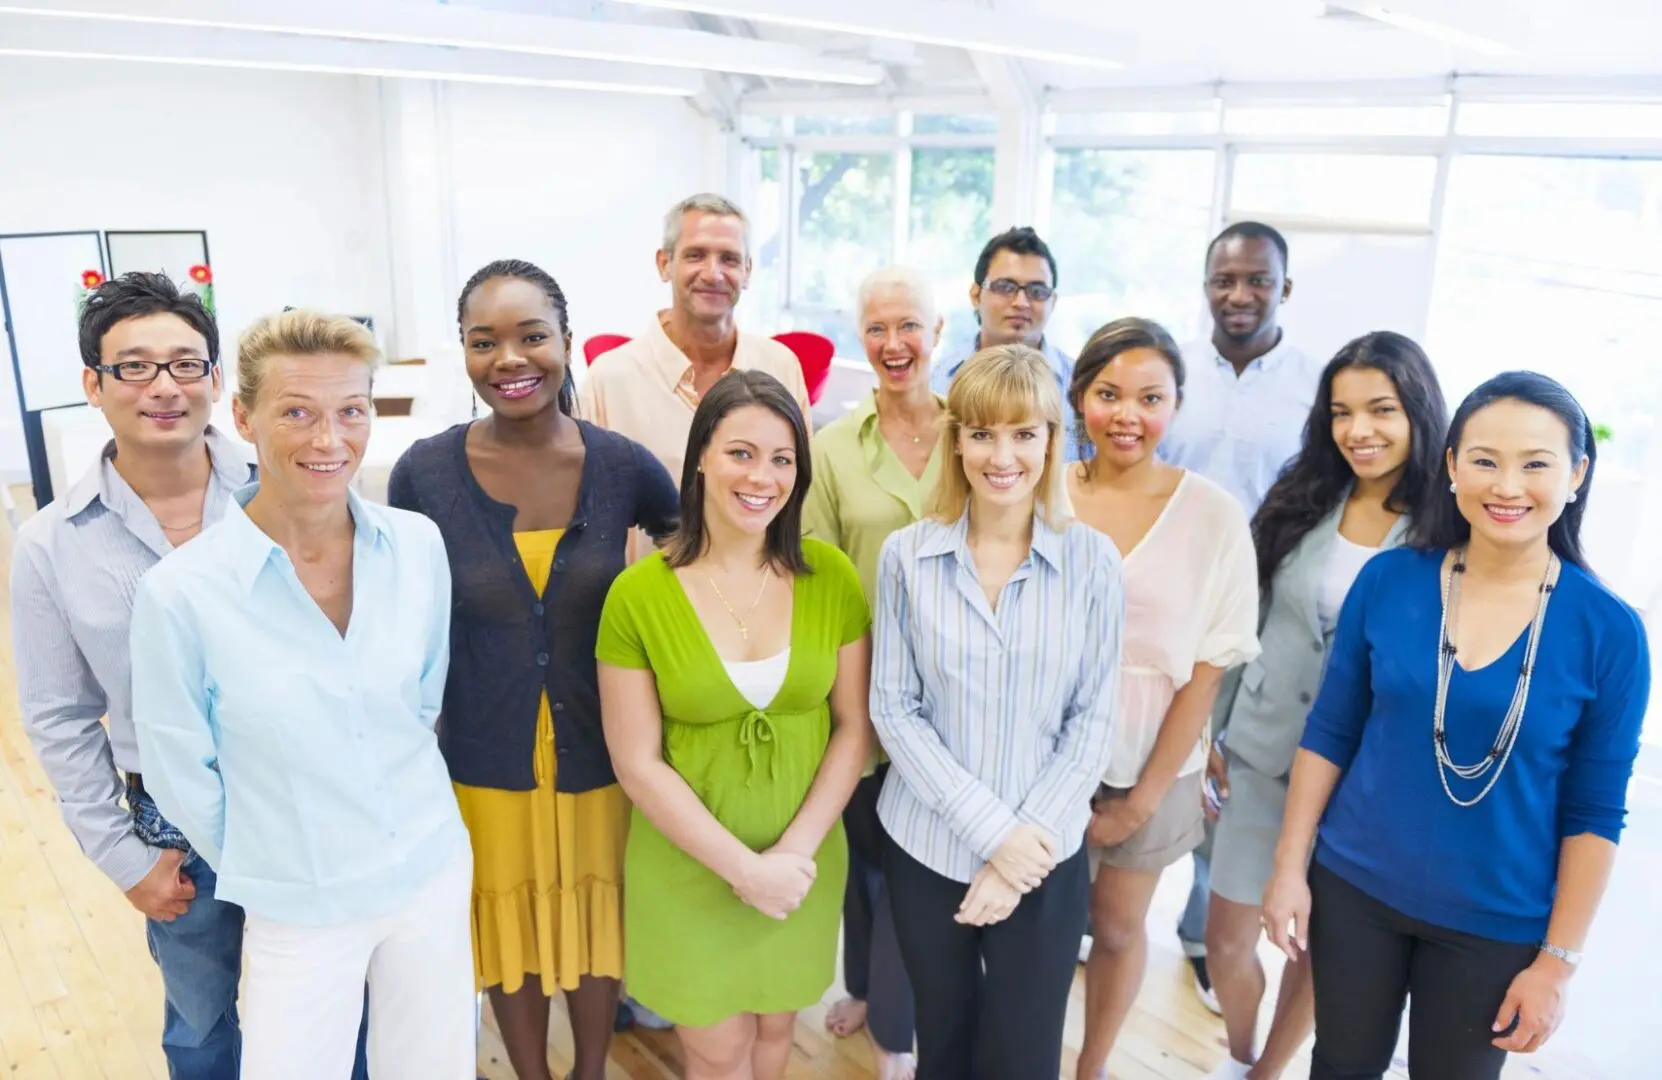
(151, 357)
(1014, 295)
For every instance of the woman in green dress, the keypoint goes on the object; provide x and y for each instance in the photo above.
(734, 668)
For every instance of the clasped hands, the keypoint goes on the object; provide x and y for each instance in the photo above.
(776, 881)
(1019, 865)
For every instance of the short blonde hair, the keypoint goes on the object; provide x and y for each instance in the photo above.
(1004, 384)
(298, 333)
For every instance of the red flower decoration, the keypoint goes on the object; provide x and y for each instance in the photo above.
(201, 275)
(91, 279)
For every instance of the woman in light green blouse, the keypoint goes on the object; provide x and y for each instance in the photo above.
(873, 469)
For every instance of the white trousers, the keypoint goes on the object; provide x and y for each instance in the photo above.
(304, 998)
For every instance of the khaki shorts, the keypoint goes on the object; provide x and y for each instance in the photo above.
(1176, 828)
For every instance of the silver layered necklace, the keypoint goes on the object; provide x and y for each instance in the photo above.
(1507, 737)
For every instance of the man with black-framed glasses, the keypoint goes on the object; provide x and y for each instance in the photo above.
(1014, 295)
(151, 359)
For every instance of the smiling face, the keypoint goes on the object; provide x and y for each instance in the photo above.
(709, 267)
(310, 423)
(749, 469)
(899, 336)
(1246, 282)
(1004, 462)
(165, 413)
(1370, 426)
(517, 351)
(1513, 472)
(1129, 406)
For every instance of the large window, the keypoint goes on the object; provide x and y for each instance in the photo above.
(1129, 231)
(949, 221)
(850, 196)
(1555, 264)
(1378, 189)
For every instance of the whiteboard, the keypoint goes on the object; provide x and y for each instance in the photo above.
(1346, 284)
(42, 277)
(170, 253)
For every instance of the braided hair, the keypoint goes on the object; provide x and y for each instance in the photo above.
(542, 279)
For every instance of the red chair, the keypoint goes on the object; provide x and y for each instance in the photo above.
(601, 343)
(813, 352)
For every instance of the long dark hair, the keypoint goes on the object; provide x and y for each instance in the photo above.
(1440, 524)
(738, 388)
(542, 279)
(1312, 484)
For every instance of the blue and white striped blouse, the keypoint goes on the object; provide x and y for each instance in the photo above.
(993, 719)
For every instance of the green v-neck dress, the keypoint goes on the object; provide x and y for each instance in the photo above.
(693, 951)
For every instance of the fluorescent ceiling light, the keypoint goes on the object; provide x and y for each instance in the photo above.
(339, 69)
(1431, 28)
(50, 38)
(1490, 27)
(457, 27)
(929, 22)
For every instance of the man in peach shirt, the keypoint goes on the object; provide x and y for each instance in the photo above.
(647, 389)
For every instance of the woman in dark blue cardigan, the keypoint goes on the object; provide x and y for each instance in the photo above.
(1467, 760)
(535, 508)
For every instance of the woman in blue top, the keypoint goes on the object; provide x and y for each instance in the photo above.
(1467, 759)
(1373, 448)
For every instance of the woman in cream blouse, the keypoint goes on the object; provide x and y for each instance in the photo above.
(1191, 604)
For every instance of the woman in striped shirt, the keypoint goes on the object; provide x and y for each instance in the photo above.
(993, 689)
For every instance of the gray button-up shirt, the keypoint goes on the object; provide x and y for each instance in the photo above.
(75, 568)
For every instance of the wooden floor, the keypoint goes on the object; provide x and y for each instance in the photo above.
(80, 998)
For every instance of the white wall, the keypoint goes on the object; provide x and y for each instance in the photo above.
(276, 167)
(319, 190)
(578, 184)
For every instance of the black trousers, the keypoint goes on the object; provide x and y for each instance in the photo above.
(991, 1000)
(873, 970)
(1367, 959)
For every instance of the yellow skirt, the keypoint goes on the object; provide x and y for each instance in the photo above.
(547, 878)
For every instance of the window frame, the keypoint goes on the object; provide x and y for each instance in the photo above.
(899, 146)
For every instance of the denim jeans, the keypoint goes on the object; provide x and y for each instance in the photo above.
(200, 956)
(1191, 929)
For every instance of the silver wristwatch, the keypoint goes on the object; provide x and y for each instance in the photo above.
(1570, 958)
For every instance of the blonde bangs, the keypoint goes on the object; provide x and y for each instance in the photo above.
(988, 395)
(1004, 384)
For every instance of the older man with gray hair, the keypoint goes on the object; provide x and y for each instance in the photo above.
(647, 389)
(873, 470)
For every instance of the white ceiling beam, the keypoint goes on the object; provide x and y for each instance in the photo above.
(197, 46)
(458, 27)
(930, 22)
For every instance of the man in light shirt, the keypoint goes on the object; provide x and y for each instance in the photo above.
(1247, 397)
(648, 388)
(1014, 296)
(151, 359)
